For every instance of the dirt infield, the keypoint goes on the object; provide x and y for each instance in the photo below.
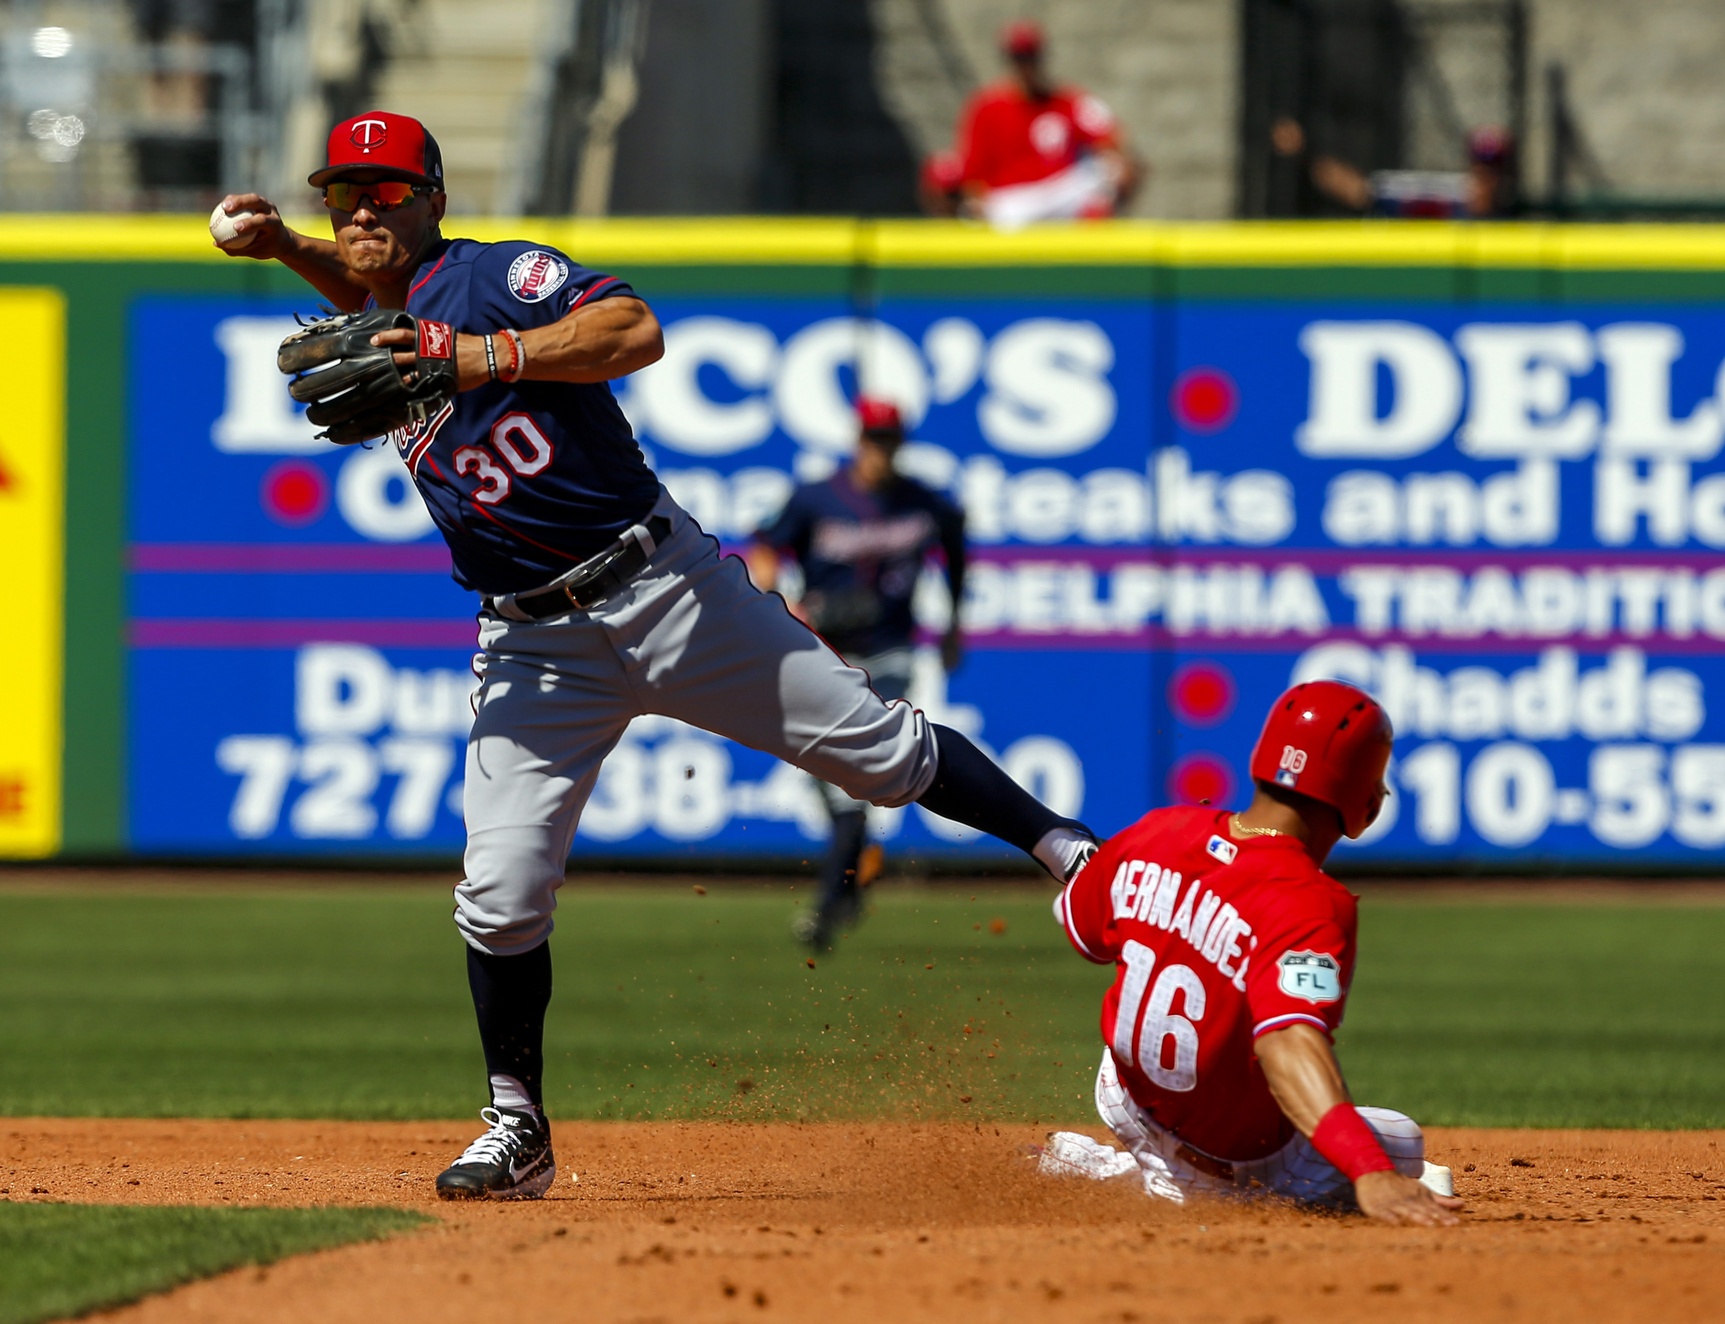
(678, 1222)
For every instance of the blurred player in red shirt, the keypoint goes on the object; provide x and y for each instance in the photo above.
(1035, 152)
(1235, 952)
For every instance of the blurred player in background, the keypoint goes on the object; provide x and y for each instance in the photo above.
(1032, 151)
(861, 539)
(1484, 191)
(1235, 952)
(1491, 172)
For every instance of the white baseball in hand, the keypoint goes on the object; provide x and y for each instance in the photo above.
(223, 232)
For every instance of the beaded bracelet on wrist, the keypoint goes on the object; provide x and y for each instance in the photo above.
(517, 355)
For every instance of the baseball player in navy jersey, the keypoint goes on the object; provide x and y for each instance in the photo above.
(861, 537)
(600, 599)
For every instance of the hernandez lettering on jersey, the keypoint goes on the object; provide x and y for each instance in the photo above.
(524, 480)
(1212, 928)
(1215, 942)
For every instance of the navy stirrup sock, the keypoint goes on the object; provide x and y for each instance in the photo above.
(510, 995)
(969, 788)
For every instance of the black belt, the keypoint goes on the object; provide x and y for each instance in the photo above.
(610, 570)
(1220, 1169)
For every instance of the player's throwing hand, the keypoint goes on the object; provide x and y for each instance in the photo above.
(269, 236)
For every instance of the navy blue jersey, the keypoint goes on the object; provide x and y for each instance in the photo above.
(523, 480)
(861, 553)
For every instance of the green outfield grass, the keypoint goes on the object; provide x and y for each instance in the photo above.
(352, 1002)
(65, 1259)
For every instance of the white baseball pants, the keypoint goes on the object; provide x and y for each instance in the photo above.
(689, 638)
(1296, 1171)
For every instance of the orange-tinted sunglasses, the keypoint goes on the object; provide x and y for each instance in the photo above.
(385, 194)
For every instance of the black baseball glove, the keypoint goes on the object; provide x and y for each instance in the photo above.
(356, 389)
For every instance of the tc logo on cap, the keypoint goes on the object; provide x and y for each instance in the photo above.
(368, 134)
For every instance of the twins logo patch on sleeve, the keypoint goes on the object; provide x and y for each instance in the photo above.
(1314, 976)
(536, 275)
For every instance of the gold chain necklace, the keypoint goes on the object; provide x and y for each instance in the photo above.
(1239, 829)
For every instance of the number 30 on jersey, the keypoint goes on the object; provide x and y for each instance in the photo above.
(523, 449)
(1148, 1048)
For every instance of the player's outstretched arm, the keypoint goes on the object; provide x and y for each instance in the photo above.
(595, 343)
(1301, 1070)
(312, 260)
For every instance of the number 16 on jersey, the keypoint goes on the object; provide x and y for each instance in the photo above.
(1146, 1046)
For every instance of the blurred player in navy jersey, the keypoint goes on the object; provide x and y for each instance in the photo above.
(861, 539)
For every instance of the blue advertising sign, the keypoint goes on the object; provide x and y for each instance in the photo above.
(1505, 524)
(1503, 521)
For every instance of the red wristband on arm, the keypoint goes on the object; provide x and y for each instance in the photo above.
(1346, 1141)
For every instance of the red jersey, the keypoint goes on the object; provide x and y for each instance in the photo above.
(1006, 137)
(1217, 941)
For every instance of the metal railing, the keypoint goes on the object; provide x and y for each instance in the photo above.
(94, 122)
(585, 87)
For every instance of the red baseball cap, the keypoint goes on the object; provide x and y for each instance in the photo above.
(1022, 38)
(879, 416)
(396, 146)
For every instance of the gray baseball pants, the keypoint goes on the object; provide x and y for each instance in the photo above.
(689, 638)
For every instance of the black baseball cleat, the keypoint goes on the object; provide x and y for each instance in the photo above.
(511, 1161)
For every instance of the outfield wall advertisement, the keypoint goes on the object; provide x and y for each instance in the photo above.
(1505, 520)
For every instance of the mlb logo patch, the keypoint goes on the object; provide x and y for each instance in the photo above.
(537, 275)
(1223, 849)
(1313, 976)
(1286, 777)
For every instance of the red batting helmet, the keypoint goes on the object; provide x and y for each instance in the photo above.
(1331, 742)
